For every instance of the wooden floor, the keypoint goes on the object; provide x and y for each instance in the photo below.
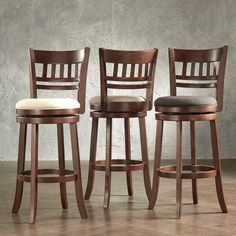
(127, 215)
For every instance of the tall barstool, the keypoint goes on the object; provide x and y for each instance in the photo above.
(52, 70)
(129, 70)
(200, 69)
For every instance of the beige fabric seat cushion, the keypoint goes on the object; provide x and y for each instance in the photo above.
(186, 104)
(37, 106)
(120, 103)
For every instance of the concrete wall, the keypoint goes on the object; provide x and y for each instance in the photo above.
(117, 24)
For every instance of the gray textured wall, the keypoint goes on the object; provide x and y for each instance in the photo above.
(117, 24)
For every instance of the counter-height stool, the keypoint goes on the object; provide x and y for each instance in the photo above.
(128, 71)
(191, 69)
(52, 70)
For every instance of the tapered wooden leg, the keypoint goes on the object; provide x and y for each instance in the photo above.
(193, 160)
(128, 156)
(216, 158)
(77, 170)
(144, 149)
(20, 167)
(93, 149)
(179, 170)
(108, 163)
(34, 170)
(61, 155)
(157, 163)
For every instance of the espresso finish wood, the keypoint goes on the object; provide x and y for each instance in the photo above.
(129, 70)
(77, 63)
(20, 167)
(128, 155)
(214, 61)
(61, 158)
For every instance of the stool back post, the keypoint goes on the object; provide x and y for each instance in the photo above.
(66, 68)
(207, 69)
(140, 74)
(32, 74)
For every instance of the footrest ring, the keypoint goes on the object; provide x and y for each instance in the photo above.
(64, 176)
(120, 165)
(197, 171)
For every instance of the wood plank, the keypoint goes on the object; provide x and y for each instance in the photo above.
(205, 218)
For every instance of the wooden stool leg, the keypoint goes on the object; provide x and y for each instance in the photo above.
(93, 149)
(61, 155)
(179, 169)
(215, 151)
(20, 168)
(77, 170)
(157, 163)
(34, 170)
(144, 149)
(108, 163)
(193, 160)
(128, 155)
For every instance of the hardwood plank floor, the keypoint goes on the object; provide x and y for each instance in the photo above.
(127, 215)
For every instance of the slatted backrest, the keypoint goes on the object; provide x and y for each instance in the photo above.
(127, 70)
(198, 69)
(59, 70)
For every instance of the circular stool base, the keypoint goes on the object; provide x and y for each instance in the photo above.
(64, 176)
(197, 171)
(120, 165)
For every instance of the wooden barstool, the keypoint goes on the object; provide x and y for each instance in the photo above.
(128, 70)
(200, 69)
(60, 70)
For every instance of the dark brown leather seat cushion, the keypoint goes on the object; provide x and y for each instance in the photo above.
(120, 103)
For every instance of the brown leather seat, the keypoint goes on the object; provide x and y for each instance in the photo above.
(120, 103)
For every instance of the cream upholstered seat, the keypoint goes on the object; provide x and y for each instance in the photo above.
(116, 103)
(47, 106)
(47, 103)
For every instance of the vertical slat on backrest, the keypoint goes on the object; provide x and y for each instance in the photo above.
(192, 69)
(132, 70)
(214, 68)
(69, 71)
(53, 71)
(208, 68)
(45, 67)
(146, 69)
(115, 70)
(184, 69)
(124, 70)
(200, 69)
(61, 70)
(140, 67)
(76, 70)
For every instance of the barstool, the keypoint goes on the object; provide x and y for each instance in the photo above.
(122, 70)
(52, 70)
(200, 69)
